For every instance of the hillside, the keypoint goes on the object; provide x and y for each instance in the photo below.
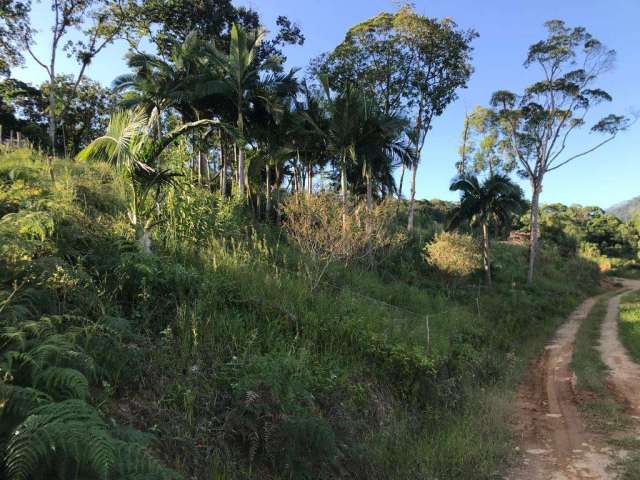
(626, 210)
(213, 356)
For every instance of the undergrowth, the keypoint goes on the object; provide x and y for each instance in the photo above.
(234, 367)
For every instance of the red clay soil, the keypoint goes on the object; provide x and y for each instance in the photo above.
(553, 439)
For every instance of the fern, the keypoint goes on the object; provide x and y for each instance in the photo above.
(32, 224)
(48, 430)
(61, 350)
(62, 383)
(72, 433)
(64, 431)
(16, 402)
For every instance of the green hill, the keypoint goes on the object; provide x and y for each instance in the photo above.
(626, 210)
(214, 356)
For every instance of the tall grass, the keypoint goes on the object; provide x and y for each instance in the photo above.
(241, 370)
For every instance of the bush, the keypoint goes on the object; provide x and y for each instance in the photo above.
(455, 255)
(326, 234)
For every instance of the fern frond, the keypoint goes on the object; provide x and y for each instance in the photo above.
(18, 402)
(62, 383)
(12, 361)
(32, 224)
(12, 337)
(61, 350)
(72, 433)
(52, 324)
(66, 431)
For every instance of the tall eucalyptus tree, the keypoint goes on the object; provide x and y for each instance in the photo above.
(539, 122)
(100, 21)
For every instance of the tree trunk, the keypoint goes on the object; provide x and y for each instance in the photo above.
(223, 171)
(268, 195)
(240, 147)
(204, 167)
(369, 191)
(401, 182)
(369, 224)
(309, 178)
(412, 198)
(241, 171)
(343, 192)
(533, 240)
(52, 113)
(145, 241)
(198, 166)
(486, 256)
(277, 186)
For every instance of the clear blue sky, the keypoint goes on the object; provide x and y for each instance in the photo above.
(506, 28)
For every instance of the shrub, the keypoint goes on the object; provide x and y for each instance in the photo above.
(589, 250)
(326, 233)
(193, 214)
(454, 254)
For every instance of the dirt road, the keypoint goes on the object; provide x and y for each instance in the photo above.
(625, 373)
(554, 442)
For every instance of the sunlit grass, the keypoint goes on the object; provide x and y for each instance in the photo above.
(630, 323)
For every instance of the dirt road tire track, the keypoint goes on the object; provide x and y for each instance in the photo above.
(552, 436)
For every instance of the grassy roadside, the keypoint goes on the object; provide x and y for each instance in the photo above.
(630, 323)
(600, 409)
(629, 331)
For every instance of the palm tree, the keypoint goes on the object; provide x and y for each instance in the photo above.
(234, 74)
(380, 147)
(157, 84)
(134, 150)
(495, 199)
(343, 127)
(310, 125)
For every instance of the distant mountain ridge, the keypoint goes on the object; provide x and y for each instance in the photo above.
(626, 210)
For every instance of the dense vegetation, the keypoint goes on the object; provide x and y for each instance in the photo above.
(218, 347)
(592, 233)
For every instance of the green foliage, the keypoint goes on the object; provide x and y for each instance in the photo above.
(196, 214)
(454, 254)
(54, 343)
(589, 231)
(217, 344)
(630, 323)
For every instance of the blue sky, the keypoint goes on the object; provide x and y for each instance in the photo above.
(506, 28)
